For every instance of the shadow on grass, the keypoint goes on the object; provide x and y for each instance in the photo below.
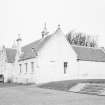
(67, 84)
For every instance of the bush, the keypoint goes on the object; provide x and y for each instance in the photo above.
(9, 80)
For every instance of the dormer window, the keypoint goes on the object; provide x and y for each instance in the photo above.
(34, 51)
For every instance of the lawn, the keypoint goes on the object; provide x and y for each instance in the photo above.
(67, 84)
(32, 95)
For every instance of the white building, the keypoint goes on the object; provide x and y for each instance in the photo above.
(52, 58)
(7, 62)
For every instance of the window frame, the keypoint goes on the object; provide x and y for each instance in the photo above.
(20, 68)
(32, 67)
(65, 64)
(26, 67)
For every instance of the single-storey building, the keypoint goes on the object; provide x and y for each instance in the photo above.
(52, 58)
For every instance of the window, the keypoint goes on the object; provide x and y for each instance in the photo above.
(32, 66)
(65, 67)
(34, 51)
(20, 66)
(26, 64)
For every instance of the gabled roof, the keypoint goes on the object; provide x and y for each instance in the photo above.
(30, 49)
(11, 53)
(83, 53)
(89, 53)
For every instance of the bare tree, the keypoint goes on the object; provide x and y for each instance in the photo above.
(81, 39)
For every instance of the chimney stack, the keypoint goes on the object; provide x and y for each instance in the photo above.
(19, 40)
(44, 32)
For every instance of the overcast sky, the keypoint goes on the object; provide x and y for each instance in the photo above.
(28, 16)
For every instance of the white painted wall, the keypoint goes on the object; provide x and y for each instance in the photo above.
(49, 65)
(5, 68)
(91, 70)
(8, 71)
(24, 76)
(52, 57)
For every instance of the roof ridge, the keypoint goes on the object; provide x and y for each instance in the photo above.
(41, 39)
(90, 54)
(36, 45)
(97, 48)
(31, 43)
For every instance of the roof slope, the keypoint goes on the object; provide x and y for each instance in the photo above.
(27, 50)
(11, 53)
(89, 54)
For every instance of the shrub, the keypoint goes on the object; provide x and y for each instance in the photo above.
(9, 80)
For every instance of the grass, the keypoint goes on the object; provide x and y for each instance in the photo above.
(2, 85)
(31, 95)
(67, 84)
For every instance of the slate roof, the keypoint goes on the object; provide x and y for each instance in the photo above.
(11, 53)
(83, 53)
(89, 54)
(27, 50)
